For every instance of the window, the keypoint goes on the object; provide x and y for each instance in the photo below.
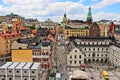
(85, 54)
(70, 62)
(89, 55)
(93, 54)
(71, 57)
(106, 55)
(25, 79)
(85, 49)
(79, 62)
(33, 72)
(98, 49)
(93, 49)
(2, 78)
(61, 36)
(106, 49)
(75, 56)
(17, 71)
(75, 62)
(9, 71)
(98, 55)
(25, 71)
(101, 54)
(47, 53)
(33, 79)
(89, 49)
(10, 78)
(79, 56)
(102, 49)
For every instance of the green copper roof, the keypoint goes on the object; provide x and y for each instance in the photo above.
(89, 16)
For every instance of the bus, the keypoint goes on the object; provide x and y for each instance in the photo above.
(105, 75)
(58, 76)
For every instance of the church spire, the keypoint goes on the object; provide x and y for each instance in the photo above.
(89, 16)
(65, 15)
(65, 18)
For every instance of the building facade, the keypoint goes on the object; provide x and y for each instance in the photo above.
(75, 32)
(22, 55)
(114, 56)
(18, 71)
(6, 40)
(92, 50)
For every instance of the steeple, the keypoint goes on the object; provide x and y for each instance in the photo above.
(89, 16)
(65, 15)
(65, 18)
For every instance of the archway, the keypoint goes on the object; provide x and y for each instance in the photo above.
(97, 60)
(105, 60)
(89, 60)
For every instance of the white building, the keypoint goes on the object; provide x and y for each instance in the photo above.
(20, 71)
(75, 57)
(3, 71)
(114, 56)
(87, 50)
(11, 71)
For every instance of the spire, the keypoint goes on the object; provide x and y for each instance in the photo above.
(64, 15)
(89, 16)
(65, 18)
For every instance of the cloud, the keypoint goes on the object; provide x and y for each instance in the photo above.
(105, 16)
(81, 0)
(44, 9)
(104, 3)
(24, 2)
(40, 8)
(94, 0)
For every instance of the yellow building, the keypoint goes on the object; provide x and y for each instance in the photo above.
(6, 40)
(60, 29)
(76, 32)
(22, 55)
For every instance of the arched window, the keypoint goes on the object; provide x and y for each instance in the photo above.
(93, 55)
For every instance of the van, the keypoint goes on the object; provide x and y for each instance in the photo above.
(105, 75)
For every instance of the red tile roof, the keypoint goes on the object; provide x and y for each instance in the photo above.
(10, 35)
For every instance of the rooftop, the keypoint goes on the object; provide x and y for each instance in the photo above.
(13, 65)
(27, 66)
(9, 35)
(35, 65)
(7, 64)
(21, 65)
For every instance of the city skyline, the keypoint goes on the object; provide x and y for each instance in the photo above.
(55, 9)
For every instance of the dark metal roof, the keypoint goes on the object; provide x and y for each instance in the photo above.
(27, 40)
(2, 63)
(116, 44)
(90, 37)
(38, 46)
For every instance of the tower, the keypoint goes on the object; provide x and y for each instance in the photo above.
(65, 18)
(89, 16)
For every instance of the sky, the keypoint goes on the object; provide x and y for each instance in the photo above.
(55, 9)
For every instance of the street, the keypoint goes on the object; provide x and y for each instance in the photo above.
(61, 62)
